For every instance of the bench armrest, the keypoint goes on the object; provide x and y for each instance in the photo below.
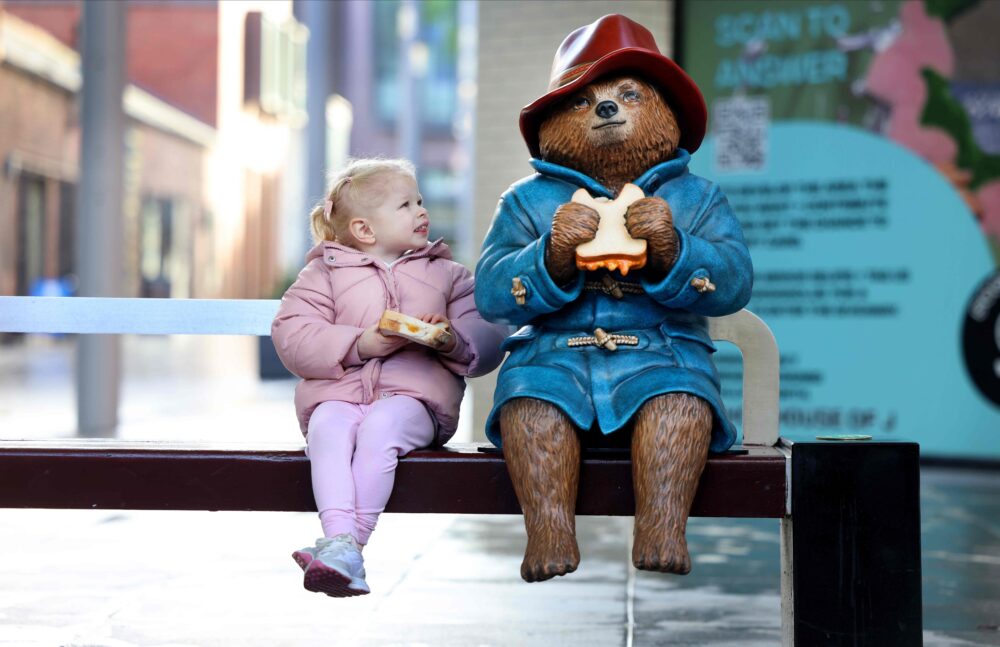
(760, 373)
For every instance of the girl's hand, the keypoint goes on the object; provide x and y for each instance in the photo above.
(439, 319)
(373, 343)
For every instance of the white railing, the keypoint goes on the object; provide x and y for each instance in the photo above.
(101, 315)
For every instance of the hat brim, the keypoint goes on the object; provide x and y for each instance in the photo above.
(680, 92)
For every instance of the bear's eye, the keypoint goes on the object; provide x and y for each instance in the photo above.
(630, 96)
(580, 103)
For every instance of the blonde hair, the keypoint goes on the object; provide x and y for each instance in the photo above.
(356, 184)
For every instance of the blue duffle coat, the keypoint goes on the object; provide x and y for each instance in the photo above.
(597, 388)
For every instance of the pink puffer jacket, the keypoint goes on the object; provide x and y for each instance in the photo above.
(341, 291)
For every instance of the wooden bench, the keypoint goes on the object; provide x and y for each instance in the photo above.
(850, 520)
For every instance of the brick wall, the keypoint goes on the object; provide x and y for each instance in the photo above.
(172, 47)
(58, 17)
(517, 40)
(173, 53)
(38, 130)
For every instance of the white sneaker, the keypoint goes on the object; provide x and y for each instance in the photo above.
(334, 567)
(304, 556)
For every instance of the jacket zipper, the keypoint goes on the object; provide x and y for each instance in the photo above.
(390, 288)
(370, 385)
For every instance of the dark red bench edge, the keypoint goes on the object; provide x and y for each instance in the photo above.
(461, 479)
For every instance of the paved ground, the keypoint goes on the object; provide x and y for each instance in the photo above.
(172, 579)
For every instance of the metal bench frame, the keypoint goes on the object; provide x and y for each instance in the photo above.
(850, 519)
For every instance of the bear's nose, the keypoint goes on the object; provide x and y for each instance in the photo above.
(607, 109)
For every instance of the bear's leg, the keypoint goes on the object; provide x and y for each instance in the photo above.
(669, 450)
(542, 451)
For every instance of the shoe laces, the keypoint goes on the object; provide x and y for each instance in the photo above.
(337, 546)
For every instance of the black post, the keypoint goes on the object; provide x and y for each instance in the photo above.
(856, 544)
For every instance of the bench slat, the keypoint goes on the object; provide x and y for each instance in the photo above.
(110, 316)
(106, 475)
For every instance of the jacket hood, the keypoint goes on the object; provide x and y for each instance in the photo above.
(351, 256)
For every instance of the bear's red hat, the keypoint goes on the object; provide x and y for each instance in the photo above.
(616, 44)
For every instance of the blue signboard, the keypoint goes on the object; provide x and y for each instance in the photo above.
(863, 160)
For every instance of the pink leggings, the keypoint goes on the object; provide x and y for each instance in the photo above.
(353, 451)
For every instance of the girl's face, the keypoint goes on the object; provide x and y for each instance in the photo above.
(400, 222)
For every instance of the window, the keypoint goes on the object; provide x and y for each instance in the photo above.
(155, 234)
(31, 232)
(275, 67)
(66, 265)
(441, 189)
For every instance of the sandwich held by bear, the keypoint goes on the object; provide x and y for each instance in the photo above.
(604, 356)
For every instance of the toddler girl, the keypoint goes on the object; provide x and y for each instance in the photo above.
(365, 399)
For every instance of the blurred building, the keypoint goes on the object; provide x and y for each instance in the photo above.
(397, 65)
(223, 129)
(215, 95)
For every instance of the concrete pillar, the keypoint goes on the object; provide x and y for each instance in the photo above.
(468, 48)
(99, 213)
(317, 15)
(412, 66)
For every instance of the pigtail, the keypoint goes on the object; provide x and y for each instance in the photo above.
(326, 219)
(319, 225)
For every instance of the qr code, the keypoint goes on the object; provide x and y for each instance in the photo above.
(740, 128)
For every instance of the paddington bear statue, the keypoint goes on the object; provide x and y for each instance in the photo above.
(614, 348)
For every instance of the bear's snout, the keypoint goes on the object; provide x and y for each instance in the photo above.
(606, 109)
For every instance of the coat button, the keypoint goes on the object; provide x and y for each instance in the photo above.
(385, 395)
(703, 284)
(518, 290)
(331, 258)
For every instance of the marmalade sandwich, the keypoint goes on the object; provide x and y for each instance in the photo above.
(612, 247)
(400, 325)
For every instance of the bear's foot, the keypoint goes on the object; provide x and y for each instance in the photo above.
(548, 554)
(657, 548)
(669, 450)
(542, 452)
